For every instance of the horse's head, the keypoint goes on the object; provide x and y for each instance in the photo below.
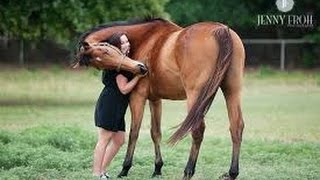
(106, 56)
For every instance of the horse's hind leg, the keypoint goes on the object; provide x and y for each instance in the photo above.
(197, 137)
(231, 88)
(156, 108)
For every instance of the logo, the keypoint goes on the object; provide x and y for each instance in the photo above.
(284, 5)
(291, 20)
(286, 20)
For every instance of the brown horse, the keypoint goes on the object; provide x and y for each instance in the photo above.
(184, 63)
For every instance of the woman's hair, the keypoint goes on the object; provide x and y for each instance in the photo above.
(114, 39)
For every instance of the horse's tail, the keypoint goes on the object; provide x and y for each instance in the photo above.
(208, 92)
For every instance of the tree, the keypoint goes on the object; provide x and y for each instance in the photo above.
(242, 15)
(229, 12)
(62, 21)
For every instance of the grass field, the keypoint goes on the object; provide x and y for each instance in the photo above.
(47, 130)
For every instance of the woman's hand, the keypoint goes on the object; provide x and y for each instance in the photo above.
(141, 75)
(126, 86)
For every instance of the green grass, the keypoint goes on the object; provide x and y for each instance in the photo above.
(47, 130)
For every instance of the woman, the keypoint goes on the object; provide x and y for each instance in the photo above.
(110, 110)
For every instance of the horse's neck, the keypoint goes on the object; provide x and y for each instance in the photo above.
(138, 33)
(145, 37)
(150, 32)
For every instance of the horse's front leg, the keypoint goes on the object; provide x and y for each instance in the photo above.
(156, 109)
(137, 102)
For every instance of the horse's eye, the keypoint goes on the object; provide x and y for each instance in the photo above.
(81, 49)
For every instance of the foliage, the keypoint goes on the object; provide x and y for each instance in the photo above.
(242, 15)
(64, 20)
(203, 10)
(308, 59)
(314, 36)
(233, 13)
(265, 71)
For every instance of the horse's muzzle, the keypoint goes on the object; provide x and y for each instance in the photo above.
(143, 69)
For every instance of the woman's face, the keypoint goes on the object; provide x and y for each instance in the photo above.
(125, 45)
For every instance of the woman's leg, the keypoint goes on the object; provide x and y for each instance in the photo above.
(104, 137)
(117, 140)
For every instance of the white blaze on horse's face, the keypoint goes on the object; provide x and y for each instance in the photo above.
(106, 56)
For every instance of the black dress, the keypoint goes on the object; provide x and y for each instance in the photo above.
(112, 104)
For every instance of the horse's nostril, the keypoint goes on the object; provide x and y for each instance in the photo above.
(143, 69)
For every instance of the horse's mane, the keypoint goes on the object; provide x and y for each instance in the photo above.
(84, 35)
(119, 23)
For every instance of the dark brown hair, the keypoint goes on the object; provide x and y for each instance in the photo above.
(114, 39)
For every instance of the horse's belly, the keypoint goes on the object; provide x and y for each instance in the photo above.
(167, 87)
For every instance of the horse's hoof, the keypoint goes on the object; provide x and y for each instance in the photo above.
(157, 169)
(186, 177)
(226, 176)
(188, 173)
(123, 173)
(156, 174)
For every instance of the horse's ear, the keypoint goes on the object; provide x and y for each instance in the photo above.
(85, 45)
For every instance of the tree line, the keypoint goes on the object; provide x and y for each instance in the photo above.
(62, 21)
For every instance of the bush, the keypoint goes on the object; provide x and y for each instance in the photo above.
(65, 139)
(14, 155)
(308, 59)
(5, 137)
(265, 71)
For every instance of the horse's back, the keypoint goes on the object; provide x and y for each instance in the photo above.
(198, 51)
(180, 55)
(234, 75)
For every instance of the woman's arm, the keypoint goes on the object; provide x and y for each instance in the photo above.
(124, 86)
